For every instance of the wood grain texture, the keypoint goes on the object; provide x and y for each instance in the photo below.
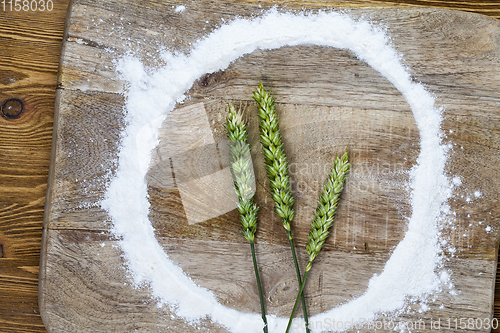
(29, 55)
(455, 55)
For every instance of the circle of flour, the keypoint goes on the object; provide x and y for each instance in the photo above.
(411, 269)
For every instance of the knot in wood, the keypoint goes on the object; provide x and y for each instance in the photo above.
(12, 108)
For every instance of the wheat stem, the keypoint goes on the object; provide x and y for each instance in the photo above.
(277, 171)
(261, 296)
(242, 173)
(301, 292)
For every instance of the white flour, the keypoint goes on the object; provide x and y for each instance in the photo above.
(411, 271)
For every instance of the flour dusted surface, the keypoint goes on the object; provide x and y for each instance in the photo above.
(411, 271)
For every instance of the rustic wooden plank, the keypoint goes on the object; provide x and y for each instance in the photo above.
(30, 44)
(107, 302)
(382, 139)
(103, 115)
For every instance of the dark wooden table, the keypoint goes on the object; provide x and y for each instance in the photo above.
(30, 43)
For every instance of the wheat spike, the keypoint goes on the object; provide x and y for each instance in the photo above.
(275, 157)
(277, 172)
(323, 218)
(241, 170)
(327, 207)
(242, 173)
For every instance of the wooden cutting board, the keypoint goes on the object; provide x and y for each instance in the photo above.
(84, 285)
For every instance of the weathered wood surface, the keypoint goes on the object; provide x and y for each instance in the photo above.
(30, 45)
(83, 284)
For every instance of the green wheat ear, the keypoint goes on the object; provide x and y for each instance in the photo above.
(275, 157)
(327, 207)
(277, 172)
(242, 173)
(241, 170)
(323, 218)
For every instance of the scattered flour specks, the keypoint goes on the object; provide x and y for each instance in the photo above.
(457, 181)
(180, 9)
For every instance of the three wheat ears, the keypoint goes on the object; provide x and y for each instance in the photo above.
(279, 182)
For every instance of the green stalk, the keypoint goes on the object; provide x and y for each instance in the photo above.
(261, 296)
(299, 279)
(277, 171)
(242, 173)
(297, 302)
